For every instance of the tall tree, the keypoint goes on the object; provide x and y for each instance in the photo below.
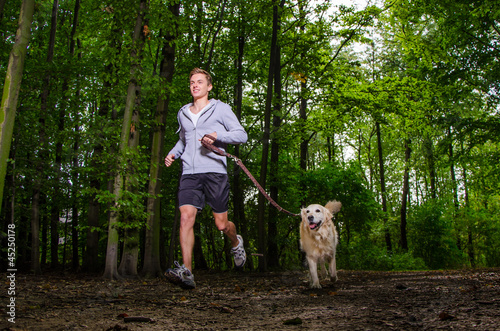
(54, 221)
(12, 85)
(238, 194)
(262, 242)
(105, 115)
(383, 191)
(404, 197)
(272, 246)
(111, 268)
(152, 266)
(74, 178)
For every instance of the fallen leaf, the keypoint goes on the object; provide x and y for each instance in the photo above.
(444, 316)
(226, 310)
(293, 321)
(137, 319)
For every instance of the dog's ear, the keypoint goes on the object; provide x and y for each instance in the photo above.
(328, 213)
(303, 213)
(333, 206)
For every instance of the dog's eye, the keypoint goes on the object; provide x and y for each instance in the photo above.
(317, 210)
(307, 211)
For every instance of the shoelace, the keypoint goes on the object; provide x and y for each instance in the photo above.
(180, 269)
(238, 251)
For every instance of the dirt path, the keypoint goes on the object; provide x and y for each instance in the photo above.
(462, 300)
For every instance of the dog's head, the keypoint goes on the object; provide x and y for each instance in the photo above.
(314, 216)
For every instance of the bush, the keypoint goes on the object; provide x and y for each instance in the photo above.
(364, 255)
(430, 237)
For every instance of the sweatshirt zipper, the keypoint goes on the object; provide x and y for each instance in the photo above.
(195, 135)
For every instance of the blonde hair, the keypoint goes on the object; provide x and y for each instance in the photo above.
(201, 71)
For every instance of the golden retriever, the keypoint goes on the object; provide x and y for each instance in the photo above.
(318, 239)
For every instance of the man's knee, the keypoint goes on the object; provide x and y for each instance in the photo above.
(187, 220)
(222, 223)
(223, 227)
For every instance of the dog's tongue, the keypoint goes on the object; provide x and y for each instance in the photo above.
(312, 226)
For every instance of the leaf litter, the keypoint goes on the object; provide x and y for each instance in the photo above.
(459, 300)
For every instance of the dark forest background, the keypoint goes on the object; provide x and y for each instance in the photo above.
(390, 107)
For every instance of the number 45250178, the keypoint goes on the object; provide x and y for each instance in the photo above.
(11, 234)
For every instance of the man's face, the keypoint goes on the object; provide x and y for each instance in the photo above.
(199, 86)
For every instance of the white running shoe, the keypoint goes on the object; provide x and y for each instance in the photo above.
(240, 257)
(180, 276)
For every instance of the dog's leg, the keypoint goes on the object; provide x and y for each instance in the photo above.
(324, 272)
(333, 269)
(313, 270)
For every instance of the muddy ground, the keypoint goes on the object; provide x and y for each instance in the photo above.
(459, 300)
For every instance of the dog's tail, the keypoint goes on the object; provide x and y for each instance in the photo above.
(333, 206)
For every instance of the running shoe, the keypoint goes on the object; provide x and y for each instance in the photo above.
(240, 256)
(181, 276)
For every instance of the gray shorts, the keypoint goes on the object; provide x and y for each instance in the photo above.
(212, 188)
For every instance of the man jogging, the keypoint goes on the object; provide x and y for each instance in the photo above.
(204, 173)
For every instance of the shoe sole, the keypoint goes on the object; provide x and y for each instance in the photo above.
(243, 264)
(173, 278)
(187, 286)
(177, 281)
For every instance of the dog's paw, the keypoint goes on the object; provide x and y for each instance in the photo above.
(315, 285)
(334, 278)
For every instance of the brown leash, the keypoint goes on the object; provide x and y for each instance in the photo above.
(219, 151)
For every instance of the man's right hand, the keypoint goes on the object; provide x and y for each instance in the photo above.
(169, 159)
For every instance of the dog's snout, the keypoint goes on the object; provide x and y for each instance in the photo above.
(310, 218)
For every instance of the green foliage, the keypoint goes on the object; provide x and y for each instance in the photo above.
(481, 232)
(364, 254)
(346, 185)
(426, 72)
(431, 236)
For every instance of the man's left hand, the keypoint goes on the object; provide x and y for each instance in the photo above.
(208, 140)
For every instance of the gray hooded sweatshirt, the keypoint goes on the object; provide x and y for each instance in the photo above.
(216, 117)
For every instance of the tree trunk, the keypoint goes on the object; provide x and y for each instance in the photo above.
(12, 85)
(35, 234)
(382, 188)
(111, 269)
(8, 216)
(304, 142)
(91, 261)
(128, 264)
(220, 19)
(45, 230)
(74, 175)
(262, 205)
(452, 172)
(272, 245)
(2, 5)
(54, 220)
(238, 198)
(174, 234)
(429, 156)
(199, 260)
(470, 241)
(152, 266)
(404, 198)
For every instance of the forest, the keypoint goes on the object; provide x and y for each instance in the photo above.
(390, 107)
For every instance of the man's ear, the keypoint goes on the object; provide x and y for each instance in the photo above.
(209, 88)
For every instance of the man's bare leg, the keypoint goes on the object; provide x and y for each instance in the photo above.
(227, 227)
(186, 234)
